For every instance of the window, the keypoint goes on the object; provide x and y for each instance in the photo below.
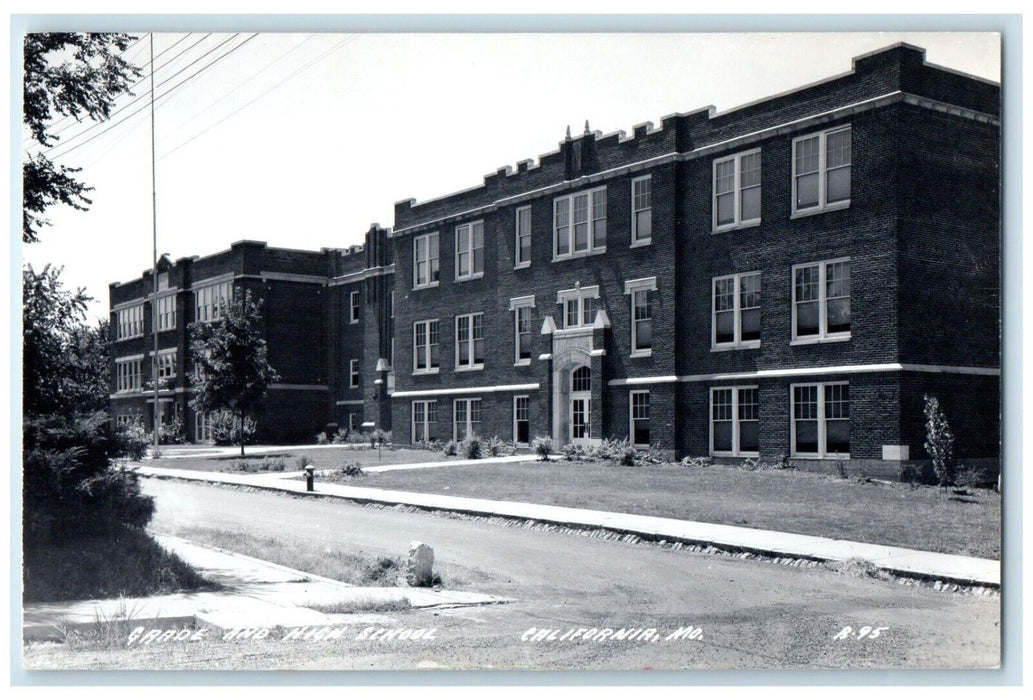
(425, 346)
(130, 322)
(641, 315)
(579, 224)
(424, 421)
(352, 422)
(467, 421)
(641, 211)
(355, 307)
(736, 321)
(353, 372)
(470, 341)
(821, 301)
(640, 417)
(425, 271)
(579, 306)
(128, 374)
(210, 300)
(522, 308)
(166, 307)
(521, 420)
(166, 364)
(203, 427)
(734, 428)
(470, 251)
(821, 171)
(821, 420)
(737, 191)
(522, 245)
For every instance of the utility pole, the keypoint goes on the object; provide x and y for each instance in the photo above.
(154, 263)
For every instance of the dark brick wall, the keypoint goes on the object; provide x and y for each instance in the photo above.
(950, 240)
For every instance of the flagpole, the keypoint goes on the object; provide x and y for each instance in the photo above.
(154, 262)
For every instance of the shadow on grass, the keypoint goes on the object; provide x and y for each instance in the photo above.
(125, 563)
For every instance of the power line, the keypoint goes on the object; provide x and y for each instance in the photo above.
(138, 98)
(180, 84)
(243, 83)
(297, 72)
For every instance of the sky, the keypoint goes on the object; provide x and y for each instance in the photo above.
(304, 140)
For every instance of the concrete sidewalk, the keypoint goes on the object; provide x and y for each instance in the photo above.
(254, 594)
(909, 562)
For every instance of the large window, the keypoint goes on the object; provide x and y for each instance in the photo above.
(355, 307)
(425, 346)
(128, 374)
(640, 417)
(736, 321)
(821, 301)
(425, 271)
(737, 190)
(522, 308)
(210, 300)
(467, 419)
(521, 420)
(470, 341)
(166, 307)
(130, 322)
(522, 244)
(641, 210)
(579, 224)
(821, 420)
(424, 421)
(733, 421)
(470, 251)
(821, 171)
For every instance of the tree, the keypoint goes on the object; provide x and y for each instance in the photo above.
(71, 75)
(233, 374)
(939, 442)
(64, 362)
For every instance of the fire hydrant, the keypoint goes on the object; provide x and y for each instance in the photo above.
(310, 477)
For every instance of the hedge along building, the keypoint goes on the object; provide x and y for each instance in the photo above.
(788, 277)
(313, 316)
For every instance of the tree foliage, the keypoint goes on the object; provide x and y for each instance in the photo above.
(69, 485)
(939, 442)
(230, 354)
(76, 75)
(64, 362)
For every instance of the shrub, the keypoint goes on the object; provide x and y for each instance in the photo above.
(130, 441)
(226, 429)
(497, 447)
(171, 432)
(939, 442)
(322, 439)
(70, 488)
(572, 452)
(450, 448)
(751, 464)
(697, 461)
(542, 447)
(783, 462)
(626, 455)
(351, 469)
(265, 464)
(301, 462)
(841, 467)
(472, 448)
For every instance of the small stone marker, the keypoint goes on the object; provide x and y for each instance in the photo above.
(419, 568)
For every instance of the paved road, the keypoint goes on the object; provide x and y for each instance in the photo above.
(753, 614)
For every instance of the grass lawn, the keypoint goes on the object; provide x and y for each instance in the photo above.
(126, 563)
(920, 517)
(321, 458)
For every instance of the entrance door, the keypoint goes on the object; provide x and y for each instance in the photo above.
(580, 405)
